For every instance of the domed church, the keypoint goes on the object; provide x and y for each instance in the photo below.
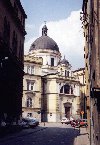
(50, 89)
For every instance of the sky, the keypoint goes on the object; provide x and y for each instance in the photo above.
(64, 26)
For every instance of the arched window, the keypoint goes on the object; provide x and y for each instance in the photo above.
(29, 102)
(66, 89)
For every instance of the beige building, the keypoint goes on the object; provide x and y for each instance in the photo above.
(31, 100)
(91, 24)
(53, 83)
(80, 75)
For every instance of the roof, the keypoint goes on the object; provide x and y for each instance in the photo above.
(79, 69)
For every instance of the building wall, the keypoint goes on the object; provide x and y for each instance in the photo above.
(91, 8)
(11, 58)
(34, 93)
(47, 55)
(19, 28)
(80, 75)
(53, 100)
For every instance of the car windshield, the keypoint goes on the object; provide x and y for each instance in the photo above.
(32, 120)
(28, 120)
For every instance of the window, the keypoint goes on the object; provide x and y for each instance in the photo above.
(16, 9)
(30, 69)
(21, 52)
(66, 73)
(30, 86)
(71, 90)
(6, 31)
(61, 90)
(52, 61)
(29, 102)
(66, 89)
(14, 43)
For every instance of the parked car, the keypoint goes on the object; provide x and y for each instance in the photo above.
(37, 121)
(29, 122)
(83, 123)
(75, 123)
(71, 118)
(3, 124)
(23, 124)
(65, 120)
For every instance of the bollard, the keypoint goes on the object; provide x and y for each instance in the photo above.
(44, 123)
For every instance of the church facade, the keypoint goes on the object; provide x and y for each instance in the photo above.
(51, 91)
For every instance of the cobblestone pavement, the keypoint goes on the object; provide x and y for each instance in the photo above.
(48, 134)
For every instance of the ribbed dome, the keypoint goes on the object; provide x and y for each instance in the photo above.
(44, 42)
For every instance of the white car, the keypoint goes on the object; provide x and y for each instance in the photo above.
(65, 120)
(30, 122)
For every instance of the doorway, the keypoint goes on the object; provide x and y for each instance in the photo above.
(67, 112)
(68, 109)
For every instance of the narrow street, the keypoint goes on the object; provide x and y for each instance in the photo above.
(50, 134)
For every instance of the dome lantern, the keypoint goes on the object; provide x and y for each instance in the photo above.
(44, 30)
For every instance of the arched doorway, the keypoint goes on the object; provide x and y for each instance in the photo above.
(68, 109)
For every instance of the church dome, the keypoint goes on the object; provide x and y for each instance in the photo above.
(44, 42)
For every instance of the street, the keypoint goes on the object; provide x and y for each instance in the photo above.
(50, 134)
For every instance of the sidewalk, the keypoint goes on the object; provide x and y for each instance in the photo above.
(82, 139)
